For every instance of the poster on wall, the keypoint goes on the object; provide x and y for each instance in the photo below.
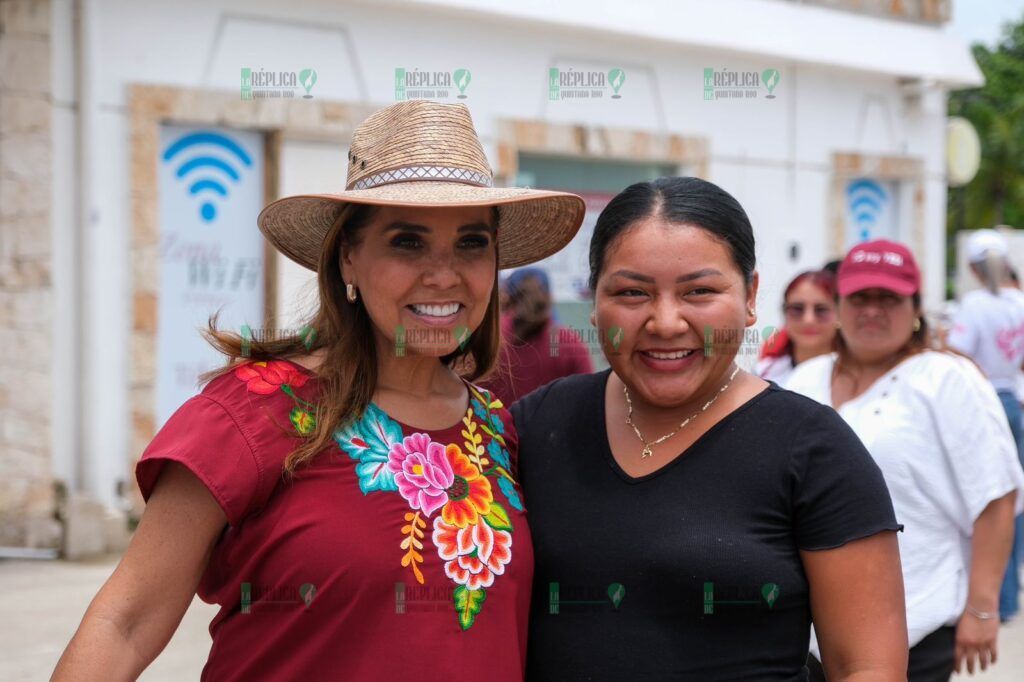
(871, 211)
(211, 252)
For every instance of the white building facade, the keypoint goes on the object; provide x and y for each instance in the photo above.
(826, 120)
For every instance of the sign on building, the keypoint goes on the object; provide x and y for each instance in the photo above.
(211, 252)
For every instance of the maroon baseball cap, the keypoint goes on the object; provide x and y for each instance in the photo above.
(879, 264)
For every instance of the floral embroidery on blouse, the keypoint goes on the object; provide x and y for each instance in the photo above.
(268, 376)
(449, 482)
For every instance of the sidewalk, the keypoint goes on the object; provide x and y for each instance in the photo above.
(42, 603)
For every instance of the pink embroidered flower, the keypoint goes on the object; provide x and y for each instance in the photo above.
(422, 472)
(473, 555)
(265, 377)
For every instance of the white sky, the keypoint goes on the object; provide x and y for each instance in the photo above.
(982, 20)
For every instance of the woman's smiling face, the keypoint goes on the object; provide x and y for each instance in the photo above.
(664, 289)
(425, 275)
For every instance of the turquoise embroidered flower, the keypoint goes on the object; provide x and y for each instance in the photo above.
(498, 454)
(369, 441)
(479, 409)
(510, 493)
(497, 425)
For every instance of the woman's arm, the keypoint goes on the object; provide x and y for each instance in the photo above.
(858, 609)
(133, 616)
(991, 543)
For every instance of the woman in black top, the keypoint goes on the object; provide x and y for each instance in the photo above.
(689, 517)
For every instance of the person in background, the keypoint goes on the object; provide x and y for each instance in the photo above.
(503, 301)
(989, 327)
(535, 349)
(776, 343)
(809, 307)
(937, 431)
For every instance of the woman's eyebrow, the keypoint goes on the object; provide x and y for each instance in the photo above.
(478, 227)
(401, 225)
(406, 227)
(706, 272)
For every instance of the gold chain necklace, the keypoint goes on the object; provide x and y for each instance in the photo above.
(647, 445)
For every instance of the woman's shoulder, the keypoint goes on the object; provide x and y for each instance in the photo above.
(273, 393)
(259, 377)
(930, 367)
(561, 395)
(255, 378)
(819, 364)
(937, 375)
(794, 406)
(234, 433)
(810, 376)
(775, 368)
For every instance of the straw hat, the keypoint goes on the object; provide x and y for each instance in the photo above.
(423, 153)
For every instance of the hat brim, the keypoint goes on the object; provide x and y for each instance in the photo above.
(533, 224)
(854, 283)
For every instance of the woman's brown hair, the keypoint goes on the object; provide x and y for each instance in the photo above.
(348, 373)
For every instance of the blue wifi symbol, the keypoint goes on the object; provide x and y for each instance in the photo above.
(206, 182)
(866, 199)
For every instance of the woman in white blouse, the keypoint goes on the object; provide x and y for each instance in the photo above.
(989, 327)
(939, 434)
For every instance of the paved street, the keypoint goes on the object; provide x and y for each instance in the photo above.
(41, 603)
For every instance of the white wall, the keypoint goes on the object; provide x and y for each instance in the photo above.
(774, 155)
(306, 168)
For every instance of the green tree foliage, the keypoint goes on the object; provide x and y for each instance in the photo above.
(996, 195)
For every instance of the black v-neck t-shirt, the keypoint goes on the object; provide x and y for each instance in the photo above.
(692, 572)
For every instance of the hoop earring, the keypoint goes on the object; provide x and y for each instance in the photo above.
(350, 293)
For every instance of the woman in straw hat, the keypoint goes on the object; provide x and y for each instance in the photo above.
(395, 545)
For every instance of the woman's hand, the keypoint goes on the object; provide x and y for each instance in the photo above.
(976, 641)
(133, 616)
(991, 543)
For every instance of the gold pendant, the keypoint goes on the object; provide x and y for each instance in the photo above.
(646, 453)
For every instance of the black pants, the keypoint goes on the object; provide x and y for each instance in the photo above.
(931, 659)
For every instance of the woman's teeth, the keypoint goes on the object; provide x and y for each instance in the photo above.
(436, 310)
(668, 356)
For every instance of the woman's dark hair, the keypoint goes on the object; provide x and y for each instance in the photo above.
(682, 200)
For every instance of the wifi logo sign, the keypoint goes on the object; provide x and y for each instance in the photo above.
(207, 175)
(867, 201)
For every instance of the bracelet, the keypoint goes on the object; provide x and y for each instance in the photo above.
(983, 615)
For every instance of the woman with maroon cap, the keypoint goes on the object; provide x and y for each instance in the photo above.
(937, 430)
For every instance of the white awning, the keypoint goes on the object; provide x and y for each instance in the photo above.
(763, 28)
